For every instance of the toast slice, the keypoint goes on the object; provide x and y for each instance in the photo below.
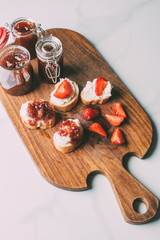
(89, 96)
(68, 136)
(67, 103)
(37, 114)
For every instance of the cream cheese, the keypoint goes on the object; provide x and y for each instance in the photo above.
(25, 117)
(64, 140)
(61, 140)
(23, 111)
(89, 91)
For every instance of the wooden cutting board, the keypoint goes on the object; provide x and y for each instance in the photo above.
(96, 154)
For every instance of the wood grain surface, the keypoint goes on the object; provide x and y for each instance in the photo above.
(70, 171)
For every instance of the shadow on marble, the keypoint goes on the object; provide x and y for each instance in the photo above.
(90, 178)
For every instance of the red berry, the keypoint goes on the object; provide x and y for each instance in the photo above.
(114, 120)
(117, 137)
(90, 113)
(96, 127)
(117, 108)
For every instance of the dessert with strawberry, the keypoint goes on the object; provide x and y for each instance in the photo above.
(65, 95)
(98, 91)
(68, 135)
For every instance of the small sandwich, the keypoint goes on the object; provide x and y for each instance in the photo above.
(98, 91)
(37, 114)
(65, 95)
(68, 135)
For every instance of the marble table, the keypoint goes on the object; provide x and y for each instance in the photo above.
(127, 34)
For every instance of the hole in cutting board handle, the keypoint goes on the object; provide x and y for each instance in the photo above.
(140, 206)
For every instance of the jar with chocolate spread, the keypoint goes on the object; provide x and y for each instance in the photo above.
(15, 70)
(25, 33)
(50, 59)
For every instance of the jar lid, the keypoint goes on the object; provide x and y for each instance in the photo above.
(4, 35)
(49, 48)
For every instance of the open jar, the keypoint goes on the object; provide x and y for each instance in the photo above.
(50, 59)
(25, 33)
(15, 70)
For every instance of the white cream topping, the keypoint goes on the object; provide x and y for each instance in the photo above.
(26, 118)
(61, 140)
(61, 102)
(89, 91)
(64, 140)
(23, 111)
(77, 122)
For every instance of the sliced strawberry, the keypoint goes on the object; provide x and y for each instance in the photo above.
(100, 86)
(96, 127)
(64, 90)
(117, 137)
(117, 108)
(114, 120)
(90, 113)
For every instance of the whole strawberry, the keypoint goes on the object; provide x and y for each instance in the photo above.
(90, 113)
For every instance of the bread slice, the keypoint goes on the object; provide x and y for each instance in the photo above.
(41, 125)
(43, 122)
(66, 147)
(66, 104)
(88, 95)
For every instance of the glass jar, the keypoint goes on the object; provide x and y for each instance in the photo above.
(25, 33)
(50, 59)
(16, 71)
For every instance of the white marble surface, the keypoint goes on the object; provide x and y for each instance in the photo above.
(127, 34)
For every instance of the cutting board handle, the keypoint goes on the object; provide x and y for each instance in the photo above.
(128, 190)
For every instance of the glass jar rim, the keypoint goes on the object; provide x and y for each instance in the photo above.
(19, 20)
(51, 41)
(13, 47)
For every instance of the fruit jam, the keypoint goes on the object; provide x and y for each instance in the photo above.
(14, 60)
(24, 27)
(69, 128)
(25, 34)
(17, 72)
(40, 110)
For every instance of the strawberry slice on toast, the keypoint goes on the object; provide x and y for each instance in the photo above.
(100, 86)
(64, 90)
